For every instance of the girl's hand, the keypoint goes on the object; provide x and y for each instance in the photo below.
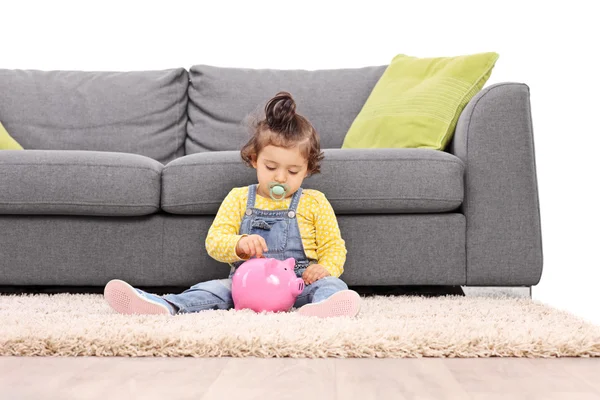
(250, 246)
(313, 273)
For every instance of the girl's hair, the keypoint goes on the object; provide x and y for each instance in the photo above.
(282, 127)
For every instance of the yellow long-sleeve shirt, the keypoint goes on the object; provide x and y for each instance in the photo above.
(317, 223)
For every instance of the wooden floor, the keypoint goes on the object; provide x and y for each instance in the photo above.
(253, 378)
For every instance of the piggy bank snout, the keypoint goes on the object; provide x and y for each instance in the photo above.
(297, 286)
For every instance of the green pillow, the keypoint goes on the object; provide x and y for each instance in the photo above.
(417, 101)
(7, 142)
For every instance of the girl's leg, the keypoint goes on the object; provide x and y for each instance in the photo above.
(328, 297)
(126, 299)
(209, 295)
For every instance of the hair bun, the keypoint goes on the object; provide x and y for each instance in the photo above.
(281, 112)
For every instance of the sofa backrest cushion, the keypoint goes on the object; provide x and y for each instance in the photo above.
(141, 112)
(222, 101)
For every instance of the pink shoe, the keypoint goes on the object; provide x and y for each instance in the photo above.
(126, 299)
(345, 303)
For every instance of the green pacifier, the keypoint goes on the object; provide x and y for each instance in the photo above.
(278, 191)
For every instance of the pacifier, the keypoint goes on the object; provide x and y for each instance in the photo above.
(278, 191)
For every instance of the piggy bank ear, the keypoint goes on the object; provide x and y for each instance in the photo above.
(270, 263)
(290, 262)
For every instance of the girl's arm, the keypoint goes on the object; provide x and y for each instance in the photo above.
(331, 248)
(223, 236)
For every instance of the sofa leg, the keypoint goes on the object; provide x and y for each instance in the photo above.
(492, 291)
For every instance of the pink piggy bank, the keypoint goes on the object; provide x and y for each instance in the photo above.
(266, 284)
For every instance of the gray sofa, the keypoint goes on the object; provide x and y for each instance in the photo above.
(125, 171)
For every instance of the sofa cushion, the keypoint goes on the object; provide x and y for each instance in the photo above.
(141, 112)
(221, 99)
(417, 101)
(354, 181)
(78, 183)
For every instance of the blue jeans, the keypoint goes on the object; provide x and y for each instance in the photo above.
(216, 294)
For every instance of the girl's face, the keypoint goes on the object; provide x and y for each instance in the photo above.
(278, 164)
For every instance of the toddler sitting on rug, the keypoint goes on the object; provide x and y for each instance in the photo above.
(284, 149)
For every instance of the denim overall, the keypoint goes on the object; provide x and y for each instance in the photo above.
(280, 230)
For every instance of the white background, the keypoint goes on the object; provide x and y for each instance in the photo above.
(550, 46)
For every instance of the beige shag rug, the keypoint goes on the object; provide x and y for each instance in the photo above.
(403, 326)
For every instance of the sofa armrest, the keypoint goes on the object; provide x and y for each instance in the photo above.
(494, 138)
